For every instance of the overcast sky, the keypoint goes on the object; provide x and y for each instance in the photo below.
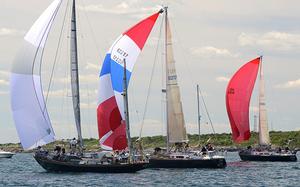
(212, 39)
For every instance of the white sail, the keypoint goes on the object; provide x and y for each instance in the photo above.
(175, 117)
(27, 100)
(264, 138)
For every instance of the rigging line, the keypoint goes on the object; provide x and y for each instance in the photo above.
(67, 78)
(88, 108)
(68, 118)
(93, 34)
(67, 83)
(55, 61)
(45, 34)
(56, 55)
(64, 82)
(163, 85)
(134, 104)
(184, 56)
(213, 129)
(150, 82)
(163, 98)
(85, 64)
(65, 88)
(193, 79)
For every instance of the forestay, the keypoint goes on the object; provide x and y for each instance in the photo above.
(27, 100)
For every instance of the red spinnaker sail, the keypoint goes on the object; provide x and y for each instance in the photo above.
(238, 95)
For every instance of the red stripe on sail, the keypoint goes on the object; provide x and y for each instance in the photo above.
(117, 140)
(109, 119)
(238, 95)
(140, 32)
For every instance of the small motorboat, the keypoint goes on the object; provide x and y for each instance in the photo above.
(4, 154)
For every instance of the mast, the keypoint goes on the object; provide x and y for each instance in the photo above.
(199, 116)
(264, 138)
(166, 61)
(255, 123)
(74, 74)
(126, 113)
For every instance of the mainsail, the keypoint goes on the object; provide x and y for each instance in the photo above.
(264, 138)
(238, 94)
(110, 111)
(27, 100)
(175, 119)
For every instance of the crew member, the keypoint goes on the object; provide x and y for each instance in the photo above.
(73, 144)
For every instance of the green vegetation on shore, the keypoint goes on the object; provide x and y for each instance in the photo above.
(278, 138)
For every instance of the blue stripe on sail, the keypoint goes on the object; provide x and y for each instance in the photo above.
(117, 72)
(106, 65)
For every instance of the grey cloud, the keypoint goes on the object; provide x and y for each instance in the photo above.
(10, 32)
(289, 84)
(120, 8)
(210, 51)
(274, 40)
(222, 79)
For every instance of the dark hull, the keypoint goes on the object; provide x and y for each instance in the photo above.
(187, 163)
(246, 156)
(6, 155)
(66, 166)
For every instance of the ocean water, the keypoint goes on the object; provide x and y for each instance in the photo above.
(23, 170)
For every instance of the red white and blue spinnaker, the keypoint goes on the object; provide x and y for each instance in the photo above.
(110, 111)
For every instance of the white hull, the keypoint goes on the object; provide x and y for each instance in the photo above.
(6, 154)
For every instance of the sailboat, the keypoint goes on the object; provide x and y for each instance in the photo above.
(177, 154)
(238, 95)
(30, 111)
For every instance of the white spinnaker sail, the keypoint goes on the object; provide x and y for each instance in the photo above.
(264, 138)
(27, 100)
(176, 124)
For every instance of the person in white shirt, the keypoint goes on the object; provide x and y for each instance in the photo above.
(73, 144)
